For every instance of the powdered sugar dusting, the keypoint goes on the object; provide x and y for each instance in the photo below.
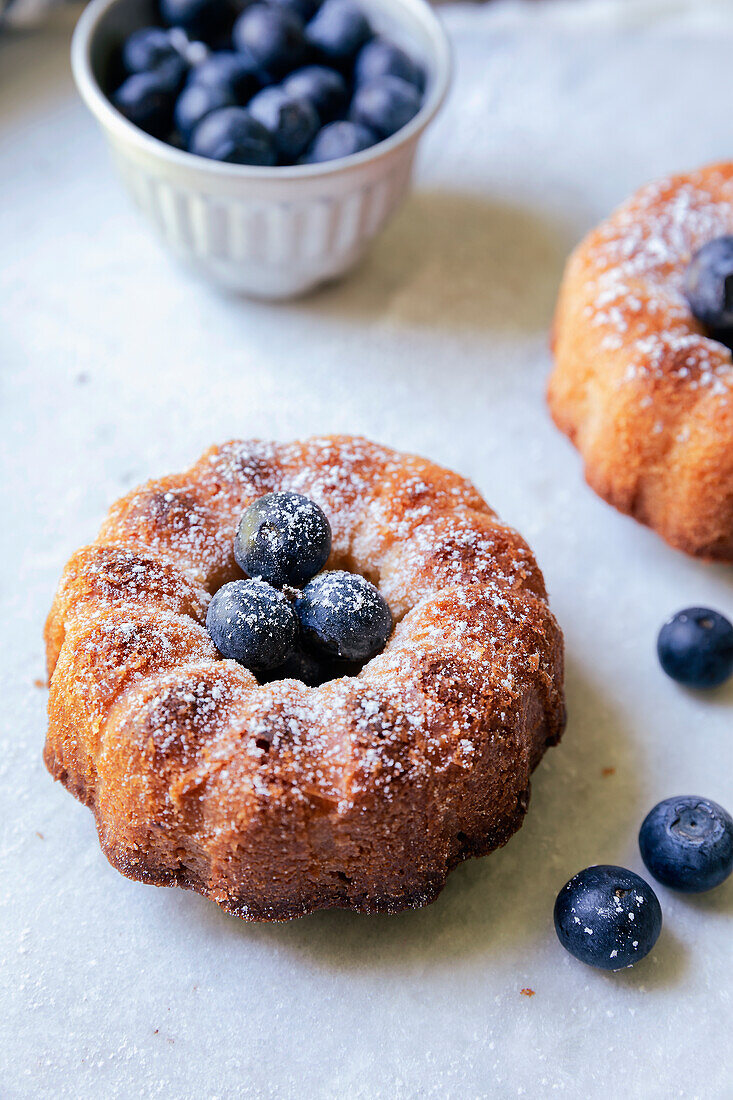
(639, 257)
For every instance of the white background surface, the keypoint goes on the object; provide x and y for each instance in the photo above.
(116, 367)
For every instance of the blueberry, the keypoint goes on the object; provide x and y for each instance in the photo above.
(304, 9)
(191, 51)
(301, 665)
(695, 648)
(146, 99)
(147, 49)
(339, 139)
(232, 135)
(236, 72)
(687, 843)
(607, 917)
(385, 105)
(274, 37)
(285, 538)
(337, 31)
(206, 20)
(343, 615)
(195, 102)
(251, 622)
(324, 88)
(709, 286)
(382, 58)
(173, 72)
(292, 122)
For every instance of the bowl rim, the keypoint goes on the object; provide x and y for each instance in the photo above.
(107, 114)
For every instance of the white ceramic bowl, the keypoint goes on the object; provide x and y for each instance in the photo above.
(266, 232)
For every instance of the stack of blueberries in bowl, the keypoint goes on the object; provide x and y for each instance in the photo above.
(278, 83)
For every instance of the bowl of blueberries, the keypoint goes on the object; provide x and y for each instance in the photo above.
(267, 141)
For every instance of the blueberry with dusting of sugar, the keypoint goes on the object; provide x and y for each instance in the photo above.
(284, 538)
(687, 843)
(342, 615)
(253, 623)
(607, 917)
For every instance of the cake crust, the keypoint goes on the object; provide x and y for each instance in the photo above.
(640, 389)
(275, 800)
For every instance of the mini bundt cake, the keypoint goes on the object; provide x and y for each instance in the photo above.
(641, 386)
(276, 799)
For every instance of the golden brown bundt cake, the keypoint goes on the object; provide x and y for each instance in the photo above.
(277, 799)
(639, 387)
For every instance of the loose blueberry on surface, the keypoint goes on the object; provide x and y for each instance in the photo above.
(342, 615)
(382, 58)
(687, 843)
(251, 622)
(273, 36)
(695, 648)
(337, 31)
(304, 9)
(233, 136)
(292, 122)
(324, 88)
(284, 537)
(709, 286)
(147, 49)
(385, 105)
(339, 139)
(206, 20)
(195, 102)
(235, 72)
(607, 917)
(146, 99)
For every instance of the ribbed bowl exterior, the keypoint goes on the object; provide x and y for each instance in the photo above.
(265, 232)
(261, 245)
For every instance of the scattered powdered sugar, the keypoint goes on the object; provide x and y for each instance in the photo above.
(339, 475)
(462, 548)
(639, 257)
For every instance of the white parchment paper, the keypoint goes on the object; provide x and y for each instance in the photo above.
(116, 366)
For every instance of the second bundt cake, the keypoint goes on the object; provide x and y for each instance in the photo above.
(641, 385)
